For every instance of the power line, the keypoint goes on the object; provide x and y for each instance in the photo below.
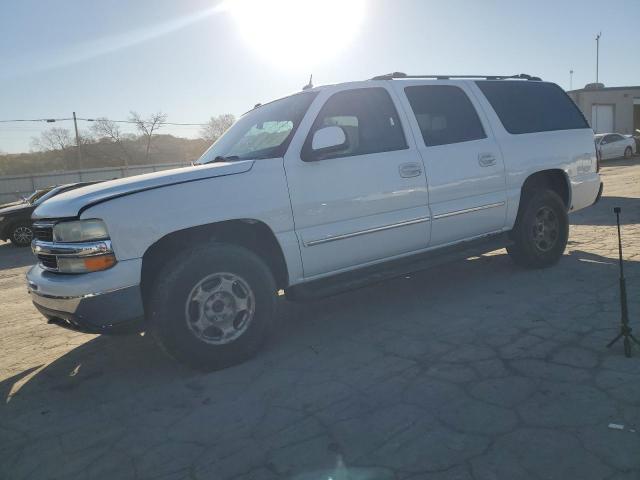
(47, 120)
(53, 120)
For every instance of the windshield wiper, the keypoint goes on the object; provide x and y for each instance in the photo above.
(222, 158)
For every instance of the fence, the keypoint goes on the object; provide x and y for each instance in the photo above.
(17, 186)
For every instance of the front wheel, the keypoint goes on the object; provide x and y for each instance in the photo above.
(212, 307)
(628, 152)
(22, 234)
(541, 231)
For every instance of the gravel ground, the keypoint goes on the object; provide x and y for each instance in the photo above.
(474, 370)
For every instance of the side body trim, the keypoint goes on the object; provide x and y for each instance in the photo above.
(468, 210)
(344, 236)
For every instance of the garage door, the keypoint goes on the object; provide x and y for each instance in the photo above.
(602, 118)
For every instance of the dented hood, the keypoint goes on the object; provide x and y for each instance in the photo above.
(69, 204)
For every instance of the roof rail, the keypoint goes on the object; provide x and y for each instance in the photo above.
(521, 76)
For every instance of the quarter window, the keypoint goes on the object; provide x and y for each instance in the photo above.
(367, 116)
(445, 114)
(528, 107)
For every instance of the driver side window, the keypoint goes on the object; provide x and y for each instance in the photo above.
(368, 118)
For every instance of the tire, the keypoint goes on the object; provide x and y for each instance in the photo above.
(541, 231)
(213, 306)
(21, 234)
(628, 152)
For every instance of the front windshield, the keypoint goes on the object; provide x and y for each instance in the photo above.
(264, 132)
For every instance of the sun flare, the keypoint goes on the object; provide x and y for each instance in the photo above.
(297, 33)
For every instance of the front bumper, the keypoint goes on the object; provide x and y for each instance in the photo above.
(118, 311)
(92, 302)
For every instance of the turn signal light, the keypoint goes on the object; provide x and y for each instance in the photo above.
(101, 262)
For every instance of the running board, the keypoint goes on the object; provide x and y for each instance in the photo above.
(396, 268)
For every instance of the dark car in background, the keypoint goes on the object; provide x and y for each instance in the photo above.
(15, 217)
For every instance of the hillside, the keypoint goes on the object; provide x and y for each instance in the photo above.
(104, 153)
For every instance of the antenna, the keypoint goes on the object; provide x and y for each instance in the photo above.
(310, 84)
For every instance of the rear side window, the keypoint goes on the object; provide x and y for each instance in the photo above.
(367, 116)
(528, 107)
(445, 114)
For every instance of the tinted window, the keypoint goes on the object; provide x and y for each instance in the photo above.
(367, 116)
(527, 107)
(445, 114)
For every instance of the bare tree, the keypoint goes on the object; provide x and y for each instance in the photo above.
(104, 128)
(146, 126)
(216, 127)
(53, 139)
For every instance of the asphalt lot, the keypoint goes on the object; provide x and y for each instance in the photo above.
(474, 370)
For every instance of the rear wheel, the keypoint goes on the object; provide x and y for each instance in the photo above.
(628, 152)
(22, 234)
(541, 231)
(212, 307)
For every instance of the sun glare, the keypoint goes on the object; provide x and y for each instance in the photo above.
(297, 33)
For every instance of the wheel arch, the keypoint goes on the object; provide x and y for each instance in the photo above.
(555, 179)
(252, 234)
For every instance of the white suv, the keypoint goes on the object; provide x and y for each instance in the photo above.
(323, 190)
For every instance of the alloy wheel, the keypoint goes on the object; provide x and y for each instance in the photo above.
(220, 308)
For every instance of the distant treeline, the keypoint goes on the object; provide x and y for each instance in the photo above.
(165, 149)
(105, 145)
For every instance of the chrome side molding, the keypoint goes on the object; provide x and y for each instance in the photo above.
(468, 210)
(344, 236)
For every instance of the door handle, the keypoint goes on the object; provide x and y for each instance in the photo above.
(486, 159)
(408, 170)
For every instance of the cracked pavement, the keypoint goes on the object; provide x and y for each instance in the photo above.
(473, 370)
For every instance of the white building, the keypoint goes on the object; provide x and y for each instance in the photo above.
(609, 109)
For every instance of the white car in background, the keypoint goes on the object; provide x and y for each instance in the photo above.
(614, 145)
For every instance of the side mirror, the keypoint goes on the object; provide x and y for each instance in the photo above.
(329, 139)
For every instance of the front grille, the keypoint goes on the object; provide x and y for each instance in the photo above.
(48, 261)
(43, 232)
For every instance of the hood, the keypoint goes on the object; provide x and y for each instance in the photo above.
(10, 208)
(12, 204)
(69, 204)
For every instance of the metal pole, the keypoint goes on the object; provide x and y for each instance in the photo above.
(75, 124)
(570, 79)
(598, 57)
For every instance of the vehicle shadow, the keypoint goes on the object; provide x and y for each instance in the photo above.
(602, 212)
(14, 257)
(621, 162)
(128, 387)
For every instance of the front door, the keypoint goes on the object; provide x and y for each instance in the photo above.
(465, 168)
(367, 201)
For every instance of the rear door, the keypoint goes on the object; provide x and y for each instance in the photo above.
(610, 146)
(619, 144)
(464, 164)
(366, 202)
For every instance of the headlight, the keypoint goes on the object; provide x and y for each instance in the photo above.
(1, 219)
(80, 231)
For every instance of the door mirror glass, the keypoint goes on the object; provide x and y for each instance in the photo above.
(329, 139)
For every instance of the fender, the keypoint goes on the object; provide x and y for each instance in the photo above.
(137, 220)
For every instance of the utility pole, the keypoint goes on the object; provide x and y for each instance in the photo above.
(75, 124)
(570, 79)
(598, 57)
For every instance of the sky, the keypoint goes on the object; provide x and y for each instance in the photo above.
(194, 59)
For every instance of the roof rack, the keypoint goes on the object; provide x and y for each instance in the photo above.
(521, 76)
